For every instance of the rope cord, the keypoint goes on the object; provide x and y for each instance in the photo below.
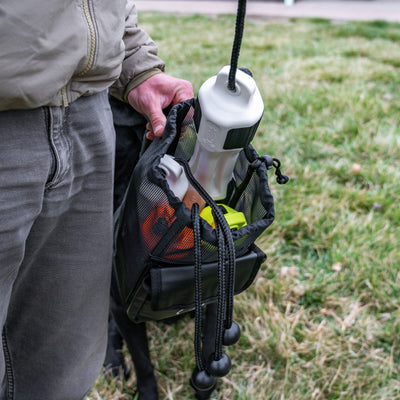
(280, 178)
(231, 264)
(240, 16)
(226, 247)
(226, 260)
(219, 334)
(198, 286)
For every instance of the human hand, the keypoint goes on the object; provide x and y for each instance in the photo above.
(154, 95)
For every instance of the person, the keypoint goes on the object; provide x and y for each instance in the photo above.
(58, 62)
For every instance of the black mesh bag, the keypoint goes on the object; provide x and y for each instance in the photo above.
(159, 241)
(168, 260)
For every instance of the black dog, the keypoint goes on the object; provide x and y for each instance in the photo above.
(130, 128)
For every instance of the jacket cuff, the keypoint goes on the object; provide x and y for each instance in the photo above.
(138, 79)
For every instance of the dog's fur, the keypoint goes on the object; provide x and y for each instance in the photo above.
(130, 128)
(135, 336)
(122, 328)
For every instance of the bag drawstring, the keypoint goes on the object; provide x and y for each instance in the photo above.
(198, 287)
(269, 162)
(219, 363)
(227, 331)
(280, 178)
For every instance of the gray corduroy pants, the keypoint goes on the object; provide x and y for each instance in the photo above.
(56, 183)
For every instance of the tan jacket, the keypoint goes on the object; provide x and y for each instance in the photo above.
(54, 51)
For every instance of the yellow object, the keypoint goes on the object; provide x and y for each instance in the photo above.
(235, 219)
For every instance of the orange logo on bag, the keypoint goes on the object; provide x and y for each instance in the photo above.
(156, 225)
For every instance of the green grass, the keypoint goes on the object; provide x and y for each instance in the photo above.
(322, 319)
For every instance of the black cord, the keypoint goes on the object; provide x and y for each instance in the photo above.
(231, 264)
(198, 286)
(221, 294)
(280, 178)
(240, 17)
(226, 262)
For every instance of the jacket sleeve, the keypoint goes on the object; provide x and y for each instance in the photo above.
(141, 56)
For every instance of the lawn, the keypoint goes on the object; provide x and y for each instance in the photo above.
(322, 319)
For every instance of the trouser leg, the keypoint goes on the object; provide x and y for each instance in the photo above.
(25, 162)
(56, 325)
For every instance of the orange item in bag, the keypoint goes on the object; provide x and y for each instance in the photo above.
(156, 225)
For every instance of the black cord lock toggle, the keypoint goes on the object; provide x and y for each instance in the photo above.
(267, 160)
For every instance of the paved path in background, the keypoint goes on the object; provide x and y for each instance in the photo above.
(367, 10)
